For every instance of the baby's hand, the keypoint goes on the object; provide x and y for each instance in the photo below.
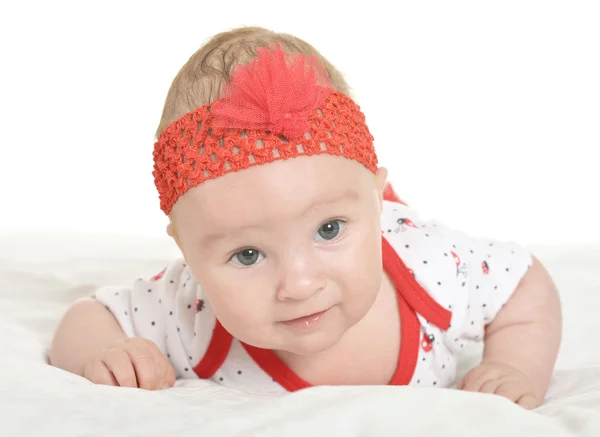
(504, 381)
(131, 362)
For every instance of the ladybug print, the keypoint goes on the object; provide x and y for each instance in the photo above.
(456, 258)
(485, 267)
(427, 342)
(404, 224)
(199, 305)
(460, 268)
(158, 275)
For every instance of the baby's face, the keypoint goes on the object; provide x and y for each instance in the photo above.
(288, 254)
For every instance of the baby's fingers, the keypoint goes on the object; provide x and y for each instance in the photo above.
(470, 384)
(170, 376)
(518, 393)
(528, 401)
(165, 374)
(490, 386)
(144, 365)
(97, 372)
(474, 380)
(119, 363)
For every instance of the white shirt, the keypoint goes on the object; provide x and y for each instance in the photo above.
(450, 286)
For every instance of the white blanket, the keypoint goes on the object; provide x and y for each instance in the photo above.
(40, 275)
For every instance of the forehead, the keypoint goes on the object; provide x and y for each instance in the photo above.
(275, 191)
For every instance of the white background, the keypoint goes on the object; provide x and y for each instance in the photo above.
(487, 114)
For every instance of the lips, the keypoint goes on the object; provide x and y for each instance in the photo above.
(306, 321)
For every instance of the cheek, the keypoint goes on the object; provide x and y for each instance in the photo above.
(360, 271)
(238, 303)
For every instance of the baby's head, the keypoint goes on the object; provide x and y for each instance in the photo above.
(276, 213)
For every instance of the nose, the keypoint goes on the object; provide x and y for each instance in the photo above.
(301, 278)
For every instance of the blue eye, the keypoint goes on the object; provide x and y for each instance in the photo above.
(247, 257)
(330, 230)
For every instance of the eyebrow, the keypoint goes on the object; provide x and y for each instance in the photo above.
(214, 237)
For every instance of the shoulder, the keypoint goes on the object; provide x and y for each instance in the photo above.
(175, 281)
(423, 248)
(416, 239)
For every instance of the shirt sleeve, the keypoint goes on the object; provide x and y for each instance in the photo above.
(168, 309)
(469, 276)
(488, 272)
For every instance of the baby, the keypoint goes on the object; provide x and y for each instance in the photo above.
(301, 266)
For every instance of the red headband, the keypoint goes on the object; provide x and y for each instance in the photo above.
(279, 106)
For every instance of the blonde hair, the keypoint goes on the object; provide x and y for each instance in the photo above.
(202, 78)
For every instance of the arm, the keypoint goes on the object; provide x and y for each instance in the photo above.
(86, 329)
(526, 333)
(89, 342)
(522, 342)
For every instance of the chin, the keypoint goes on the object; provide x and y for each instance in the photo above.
(312, 347)
(315, 342)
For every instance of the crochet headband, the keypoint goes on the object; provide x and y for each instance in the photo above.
(279, 106)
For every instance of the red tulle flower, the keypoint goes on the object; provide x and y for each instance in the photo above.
(276, 92)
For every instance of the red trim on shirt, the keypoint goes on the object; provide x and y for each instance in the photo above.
(215, 355)
(390, 195)
(272, 365)
(412, 299)
(407, 292)
(409, 346)
(417, 298)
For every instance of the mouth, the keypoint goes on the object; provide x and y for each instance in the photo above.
(306, 322)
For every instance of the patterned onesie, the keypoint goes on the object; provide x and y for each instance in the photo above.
(449, 287)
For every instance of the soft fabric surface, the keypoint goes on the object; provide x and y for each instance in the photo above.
(40, 275)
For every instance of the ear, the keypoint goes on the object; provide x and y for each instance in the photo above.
(380, 180)
(172, 232)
